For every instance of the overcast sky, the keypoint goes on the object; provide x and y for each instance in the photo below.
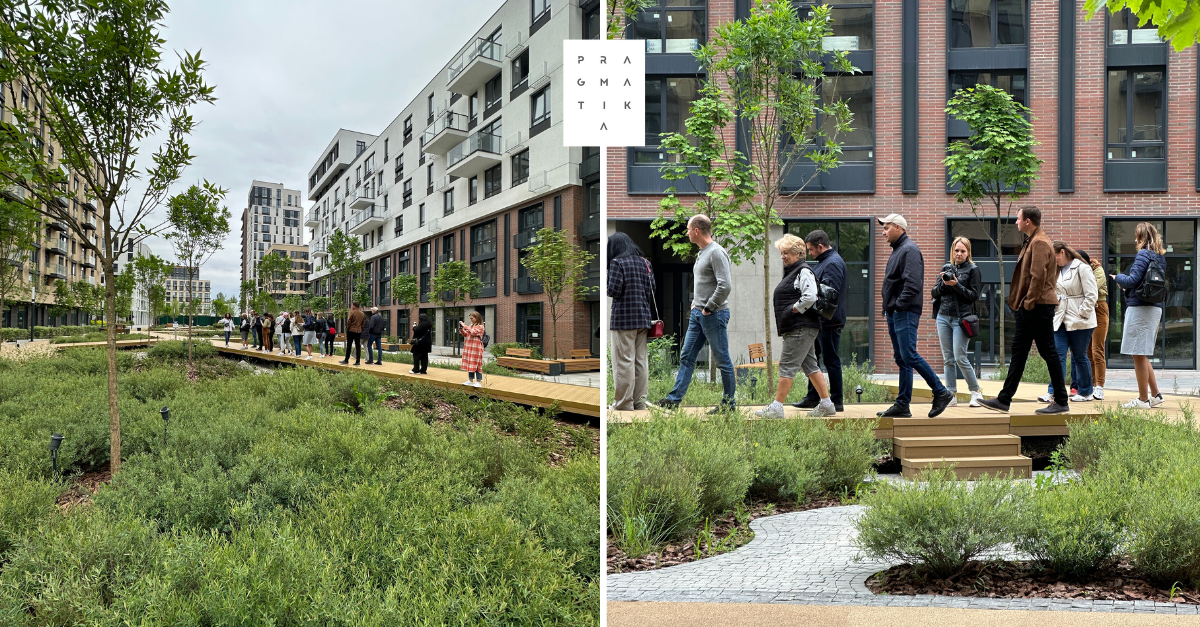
(289, 74)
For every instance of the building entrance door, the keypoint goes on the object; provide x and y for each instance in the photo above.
(529, 325)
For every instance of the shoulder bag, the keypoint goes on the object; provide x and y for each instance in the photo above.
(969, 322)
(656, 323)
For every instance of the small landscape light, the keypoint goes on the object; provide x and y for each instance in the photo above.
(858, 391)
(55, 442)
(166, 415)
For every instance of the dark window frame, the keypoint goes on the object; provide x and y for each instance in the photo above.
(994, 23)
(662, 7)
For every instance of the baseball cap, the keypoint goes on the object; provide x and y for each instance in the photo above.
(894, 218)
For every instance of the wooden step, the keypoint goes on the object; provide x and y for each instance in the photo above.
(972, 467)
(957, 447)
(995, 424)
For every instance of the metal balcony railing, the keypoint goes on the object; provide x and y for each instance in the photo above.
(447, 120)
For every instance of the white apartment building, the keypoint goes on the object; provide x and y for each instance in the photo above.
(272, 216)
(141, 301)
(469, 170)
(178, 291)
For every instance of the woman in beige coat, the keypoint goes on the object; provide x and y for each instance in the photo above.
(1074, 317)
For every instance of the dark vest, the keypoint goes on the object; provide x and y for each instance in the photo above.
(785, 296)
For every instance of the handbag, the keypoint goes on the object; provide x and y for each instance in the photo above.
(970, 325)
(656, 323)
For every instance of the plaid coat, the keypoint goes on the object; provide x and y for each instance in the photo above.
(631, 286)
(472, 352)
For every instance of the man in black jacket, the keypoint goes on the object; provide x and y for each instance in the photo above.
(375, 330)
(830, 270)
(903, 291)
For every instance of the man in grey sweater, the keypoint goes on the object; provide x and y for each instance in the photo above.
(709, 316)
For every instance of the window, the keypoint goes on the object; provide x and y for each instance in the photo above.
(1011, 82)
(667, 106)
(447, 248)
(853, 24)
(359, 148)
(1134, 125)
(425, 271)
(520, 167)
(540, 7)
(1123, 28)
(398, 229)
(540, 107)
(430, 103)
(485, 271)
(591, 24)
(399, 167)
(492, 184)
(385, 150)
(408, 193)
(483, 240)
(408, 130)
(493, 92)
(530, 218)
(520, 69)
(473, 108)
(473, 190)
(674, 26)
(429, 188)
(448, 202)
(987, 23)
(421, 215)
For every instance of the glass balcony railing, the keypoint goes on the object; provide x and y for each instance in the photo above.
(479, 142)
(447, 120)
(480, 48)
(370, 213)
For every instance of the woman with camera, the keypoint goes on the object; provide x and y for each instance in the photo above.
(1074, 318)
(954, 295)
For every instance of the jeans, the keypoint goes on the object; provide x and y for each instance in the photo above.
(701, 328)
(1034, 326)
(902, 329)
(258, 338)
(354, 339)
(376, 341)
(828, 341)
(296, 337)
(227, 334)
(954, 353)
(1081, 367)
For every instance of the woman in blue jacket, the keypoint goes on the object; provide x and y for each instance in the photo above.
(1140, 333)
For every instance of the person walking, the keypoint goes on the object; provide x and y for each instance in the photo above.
(1074, 319)
(285, 334)
(954, 295)
(310, 331)
(1142, 319)
(709, 317)
(830, 270)
(244, 327)
(354, 329)
(297, 332)
(269, 328)
(1100, 333)
(903, 287)
(472, 351)
(330, 336)
(422, 344)
(258, 331)
(630, 284)
(798, 324)
(375, 329)
(1033, 299)
(227, 322)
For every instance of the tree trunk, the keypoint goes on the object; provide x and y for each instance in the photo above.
(191, 310)
(554, 327)
(767, 304)
(114, 412)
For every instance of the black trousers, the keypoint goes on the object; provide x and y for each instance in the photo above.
(327, 339)
(421, 361)
(828, 343)
(354, 339)
(1034, 326)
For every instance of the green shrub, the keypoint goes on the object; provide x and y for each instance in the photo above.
(787, 457)
(1163, 517)
(850, 452)
(1073, 528)
(24, 503)
(939, 523)
(153, 385)
(650, 503)
(177, 349)
(854, 375)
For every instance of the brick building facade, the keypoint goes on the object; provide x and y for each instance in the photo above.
(1110, 160)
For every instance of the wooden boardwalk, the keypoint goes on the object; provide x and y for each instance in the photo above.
(120, 344)
(574, 399)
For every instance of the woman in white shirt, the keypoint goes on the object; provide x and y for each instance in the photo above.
(1075, 317)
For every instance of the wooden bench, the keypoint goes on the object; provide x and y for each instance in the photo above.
(522, 359)
(580, 360)
(758, 362)
(122, 330)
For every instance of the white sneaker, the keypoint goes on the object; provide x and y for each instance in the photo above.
(477, 384)
(953, 402)
(468, 382)
(1098, 393)
(1136, 404)
(774, 410)
(308, 358)
(1079, 398)
(1157, 400)
(1046, 398)
(976, 397)
(824, 408)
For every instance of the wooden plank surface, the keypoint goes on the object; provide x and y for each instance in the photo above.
(120, 344)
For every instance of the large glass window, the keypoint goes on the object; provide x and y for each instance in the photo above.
(483, 239)
(668, 102)
(987, 23)
(1135, 117)
(1011, 82)
(492, 183)
(859, 94)
(1177, 336)
(494, 91)
(1123, 28)
(520, 167)
(540, 107)
(852, 21)
(852, 240)
(673, 26)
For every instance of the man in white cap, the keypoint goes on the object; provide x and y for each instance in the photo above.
(903, 295)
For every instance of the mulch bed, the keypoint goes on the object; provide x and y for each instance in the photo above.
(81, 493)
(1024, 580)
(682, 553)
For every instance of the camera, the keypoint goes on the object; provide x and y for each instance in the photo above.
(948, 276)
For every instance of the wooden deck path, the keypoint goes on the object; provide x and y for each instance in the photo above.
(120, 344)
(575, 399)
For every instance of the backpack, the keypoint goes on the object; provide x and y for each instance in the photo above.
(486, 339)
(1153, 288)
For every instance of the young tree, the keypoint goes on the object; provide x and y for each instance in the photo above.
(156, 299)
(996, 165)
(560, 267)
(124, 303)
(626, 10)
(319, 304)
(454, 282)
(86, 297)
(64, 300)
(768, 72)
(344, 267)
(362, 293)
(150, 275)
(198, 226)
(246, 290)
(406, 291)
(222, 305)
(264, 303)
(97, 68)
(273, 272)
(291, 302)
(19, 226)
(1178, 21)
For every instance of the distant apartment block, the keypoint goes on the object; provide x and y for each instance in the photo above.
(272, 216)
(297, 283)
(181, 289)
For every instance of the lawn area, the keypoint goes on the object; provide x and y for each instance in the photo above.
(297, 497)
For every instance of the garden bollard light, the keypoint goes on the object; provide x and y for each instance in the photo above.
(858, 391)
(55, 442)
(753, 387)
(166, 416)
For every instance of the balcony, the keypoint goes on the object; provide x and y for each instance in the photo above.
(525, 239)
(448, 130)
(317, 249)
(443, 182)
(313, 220)
(59, 247)
(89, 260)
(16, 257)
(89, 205)
(563, 175)
(57, 226)
(55, 272)
(88, 223)
(478, 63)
(526, 285)
(478, 153)
(90, 280)
(361, 198)
(368, 220)
(590, 227)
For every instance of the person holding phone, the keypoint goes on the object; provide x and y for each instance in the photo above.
(472, 354)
